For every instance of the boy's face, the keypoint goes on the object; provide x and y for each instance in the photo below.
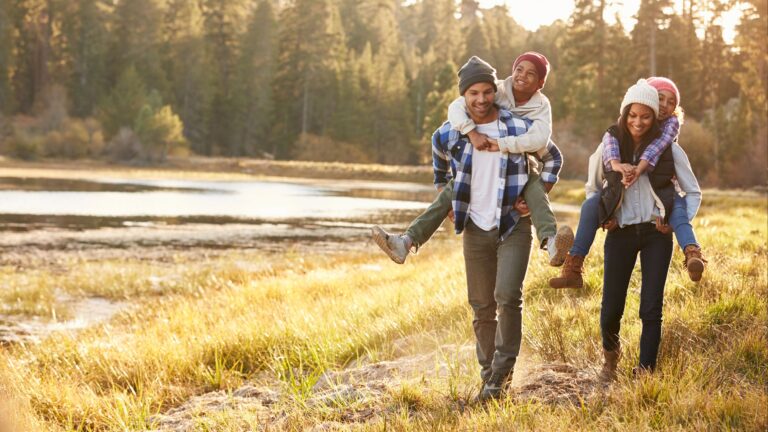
(525, 79)
(639, 120)
(667, 104)
(479, 99)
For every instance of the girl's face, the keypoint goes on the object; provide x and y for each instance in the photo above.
(639, 120)
(667, 104)
(525, 79)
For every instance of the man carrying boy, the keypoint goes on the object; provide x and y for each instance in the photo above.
(521, 94)
(496, 239)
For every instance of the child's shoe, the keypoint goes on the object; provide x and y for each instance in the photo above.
(559, 245)
(694, 262)
(395, 246)
(570, 274)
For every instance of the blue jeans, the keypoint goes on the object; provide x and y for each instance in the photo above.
(589, 223)
(678, 219)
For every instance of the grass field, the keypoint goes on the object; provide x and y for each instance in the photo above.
(280, 324)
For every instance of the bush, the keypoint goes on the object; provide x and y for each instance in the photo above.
(160, 133)
(124, 146)
(23, 145)
(73, 140)
(323, 149)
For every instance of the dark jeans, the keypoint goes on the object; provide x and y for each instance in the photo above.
(621, 248)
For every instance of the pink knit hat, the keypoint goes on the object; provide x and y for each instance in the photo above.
(661, 83)
(539, 61)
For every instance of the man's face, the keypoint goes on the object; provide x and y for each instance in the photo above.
(479, 98)
(525, 79)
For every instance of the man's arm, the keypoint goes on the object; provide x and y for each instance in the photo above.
(441, 161)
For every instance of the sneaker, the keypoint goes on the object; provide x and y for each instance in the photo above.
(395, 246)
(559, 245)
(495, 387)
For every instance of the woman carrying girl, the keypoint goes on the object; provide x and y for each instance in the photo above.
(686, 202)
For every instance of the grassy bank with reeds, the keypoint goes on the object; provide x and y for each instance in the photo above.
(284, 320)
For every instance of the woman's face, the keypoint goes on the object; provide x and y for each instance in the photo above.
(667, 104)
(639, 120)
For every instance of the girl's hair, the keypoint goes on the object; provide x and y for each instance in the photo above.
(626, 145)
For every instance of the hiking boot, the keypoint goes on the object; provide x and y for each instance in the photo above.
(641, 371)
(570, 274)
(694, 262)
(611, 363)
(395, 246)
(495, 387)
(559, 245)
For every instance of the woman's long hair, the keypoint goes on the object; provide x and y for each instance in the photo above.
(626, 145)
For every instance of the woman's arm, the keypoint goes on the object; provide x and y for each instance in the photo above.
(687, 180)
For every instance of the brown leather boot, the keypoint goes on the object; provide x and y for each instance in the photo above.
(694, 262)
(570, 273)
(611, 363)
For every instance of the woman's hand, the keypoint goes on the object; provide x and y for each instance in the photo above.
(611, 225)
(662, 227)
(522, 207)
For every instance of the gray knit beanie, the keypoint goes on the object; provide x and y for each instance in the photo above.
(642, 93)
(474, 71)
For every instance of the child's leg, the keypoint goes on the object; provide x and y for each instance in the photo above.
(427, 223)
(589, 222)
(542, 216)
(681, 225)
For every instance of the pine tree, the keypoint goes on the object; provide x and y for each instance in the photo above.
(84, 30)
(136, 42)
(6, 56)
(255, 73)
(123, 104)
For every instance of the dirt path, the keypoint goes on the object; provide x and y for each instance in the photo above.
(363, 392)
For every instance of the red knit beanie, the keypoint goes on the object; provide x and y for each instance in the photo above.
(661, 83)
(539, 62)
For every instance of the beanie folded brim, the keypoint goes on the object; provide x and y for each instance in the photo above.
(469, 81)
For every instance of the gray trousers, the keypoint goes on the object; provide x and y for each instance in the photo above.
(495, 273)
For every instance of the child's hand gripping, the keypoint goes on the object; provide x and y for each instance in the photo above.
(481, 141)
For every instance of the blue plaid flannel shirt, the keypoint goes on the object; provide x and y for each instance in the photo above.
(452, 158)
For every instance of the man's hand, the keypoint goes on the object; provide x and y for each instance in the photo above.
(479, 141)
(662, 227)
(452, 216)
(611, 225)
(548, 186)
(522, 207)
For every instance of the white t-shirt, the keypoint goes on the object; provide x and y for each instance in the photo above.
(484, 194)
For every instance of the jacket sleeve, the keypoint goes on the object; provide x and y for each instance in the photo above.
(458, 117)
(441, 161)
(669, 132)
(687, 181)
(536, 138)
(595, 172)
(610, 151)
(553, 162)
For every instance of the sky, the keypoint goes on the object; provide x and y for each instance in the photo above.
(547, 11)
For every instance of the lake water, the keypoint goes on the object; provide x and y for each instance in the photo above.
(235, 199)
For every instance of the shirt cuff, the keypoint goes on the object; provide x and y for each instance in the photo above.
(466, 127)
(548, 177)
